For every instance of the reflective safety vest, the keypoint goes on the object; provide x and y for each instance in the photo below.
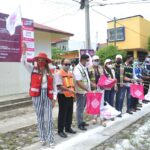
(92, 73)
(85, 80)
(67, 79)
(35, 85)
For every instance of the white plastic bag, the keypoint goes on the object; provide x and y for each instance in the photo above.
(147, 96)
(109, 112)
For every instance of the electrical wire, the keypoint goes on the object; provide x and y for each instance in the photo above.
(121, 3)
(63, 15)
(119, 23)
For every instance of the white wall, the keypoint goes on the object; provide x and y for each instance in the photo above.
(14, 78)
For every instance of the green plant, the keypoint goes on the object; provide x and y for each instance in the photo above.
(109, 51)
(56, 53)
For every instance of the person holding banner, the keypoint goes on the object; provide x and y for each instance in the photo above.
(109, 73)
(42, 91)
(82, 86)
(95, 71)
(137, 77)
(66, 94)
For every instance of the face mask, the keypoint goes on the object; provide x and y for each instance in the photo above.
(131, 62)
(147, 60)
(118, 62)
(109, 66)
(42, 64)
(87, 64)
(66, 67)
(95, 63)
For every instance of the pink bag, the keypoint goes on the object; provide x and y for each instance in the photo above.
(137, 91)
(105, 82)
(93, 101)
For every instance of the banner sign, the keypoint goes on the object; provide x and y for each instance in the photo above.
(28, 37)
(10, 47)
(90, 52)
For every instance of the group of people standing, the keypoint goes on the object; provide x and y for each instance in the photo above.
(47, 86)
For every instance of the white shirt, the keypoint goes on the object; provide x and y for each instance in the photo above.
(78, 75)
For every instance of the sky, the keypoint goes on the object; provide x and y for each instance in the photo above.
(66, 15)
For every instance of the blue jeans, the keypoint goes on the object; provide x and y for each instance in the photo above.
(109, 96)
(120, 98)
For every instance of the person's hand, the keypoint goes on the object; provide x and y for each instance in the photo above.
(94, 86)
(132, 81)
(116, 89)
(24, 48)
(139, 80)
(53, 103)
(71, 91)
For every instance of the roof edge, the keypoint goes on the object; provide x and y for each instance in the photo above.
(127, 18)
(45, 28)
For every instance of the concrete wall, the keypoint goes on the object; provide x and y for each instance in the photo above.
(14, 78)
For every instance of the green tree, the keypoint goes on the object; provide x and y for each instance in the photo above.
(109, 51)
(149, 44)
(56, 53)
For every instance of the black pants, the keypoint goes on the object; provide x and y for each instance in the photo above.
(134, 102)
(146, 86)
(65, 112)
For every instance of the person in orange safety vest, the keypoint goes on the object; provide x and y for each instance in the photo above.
(66, 93)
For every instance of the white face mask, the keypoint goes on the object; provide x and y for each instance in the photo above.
(147, 59)
(66, 67)
(109, 66)
(87, 63)
(95, 63)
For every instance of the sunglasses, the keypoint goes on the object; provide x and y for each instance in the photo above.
(67, 64)
(97, 60)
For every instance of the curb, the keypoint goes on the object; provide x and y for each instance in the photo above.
(93, 137)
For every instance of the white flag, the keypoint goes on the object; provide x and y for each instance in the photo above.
(13, 20)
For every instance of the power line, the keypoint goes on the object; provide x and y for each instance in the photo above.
(63, 15)
(121, 3)
(57, 3)
(119, 23)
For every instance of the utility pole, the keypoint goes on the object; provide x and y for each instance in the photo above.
(84, 4)
(115, 31)
(87, 25)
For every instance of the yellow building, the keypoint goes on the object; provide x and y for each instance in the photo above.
(131, 34)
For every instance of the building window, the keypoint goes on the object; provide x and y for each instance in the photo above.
(120, 31)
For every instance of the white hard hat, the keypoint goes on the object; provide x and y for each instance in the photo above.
(95, 57)
(119, 56)
(107, 61)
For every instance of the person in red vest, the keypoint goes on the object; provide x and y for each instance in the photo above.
(66, 93)
(41, 90)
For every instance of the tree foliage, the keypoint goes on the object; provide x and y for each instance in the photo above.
(110, 52)
(56, 53)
